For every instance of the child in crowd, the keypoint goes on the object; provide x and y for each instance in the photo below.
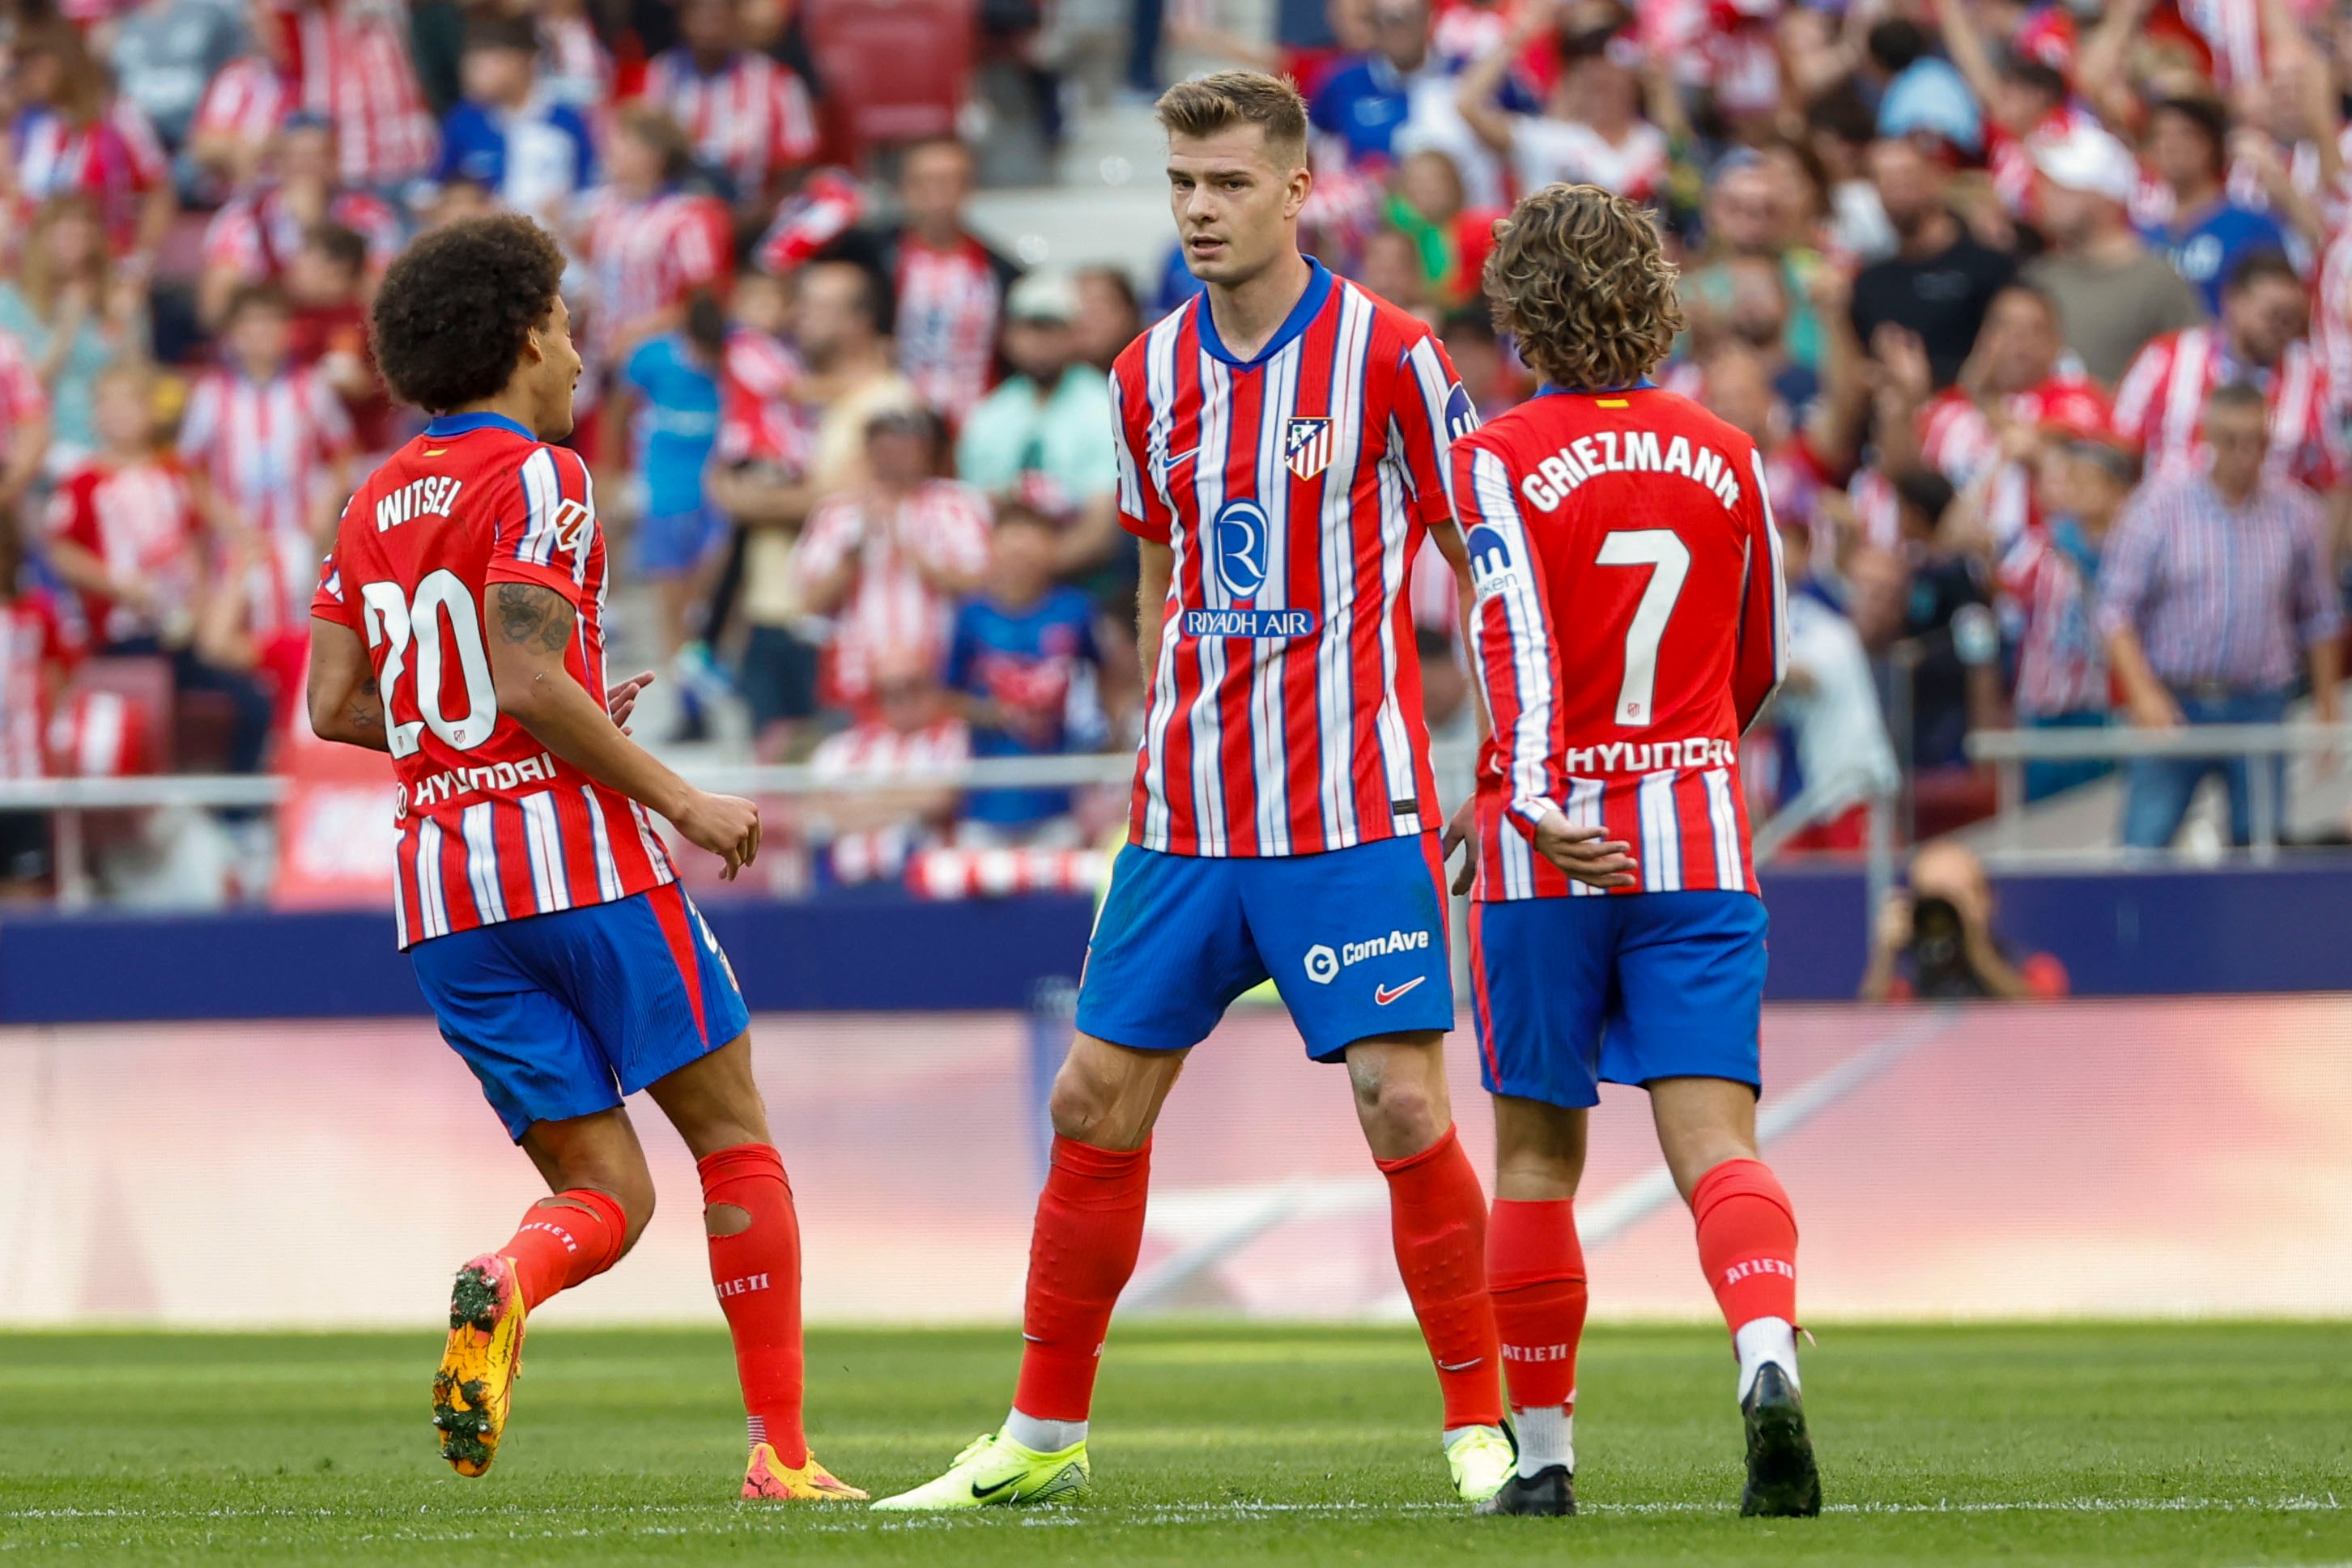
(673, 381)
(1026, 664)
(124, 535)
(509, 134)
(268, 450)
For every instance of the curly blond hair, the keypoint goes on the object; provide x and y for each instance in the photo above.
(1578, 276)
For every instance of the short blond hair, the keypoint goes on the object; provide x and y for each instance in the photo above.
(1580, 277)
(1207, 105)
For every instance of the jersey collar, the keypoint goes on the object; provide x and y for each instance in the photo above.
(1549, 389)
(450, 424)
(1319, 289)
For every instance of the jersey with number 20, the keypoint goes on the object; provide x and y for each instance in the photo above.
(1629, 624)
(493, 825)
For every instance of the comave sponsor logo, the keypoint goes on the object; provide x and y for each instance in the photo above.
(1324, 963)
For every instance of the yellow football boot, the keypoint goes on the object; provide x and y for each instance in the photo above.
(766, 1477)
(472, 1390)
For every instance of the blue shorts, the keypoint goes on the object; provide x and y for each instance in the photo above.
(1354, 939)
(674, 545)
(1575, 992)
(562, 1015)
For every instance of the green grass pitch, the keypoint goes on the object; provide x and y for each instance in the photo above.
(2219, 1444)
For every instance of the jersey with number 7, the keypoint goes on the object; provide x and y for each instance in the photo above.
(492, 826)
(1629, 626)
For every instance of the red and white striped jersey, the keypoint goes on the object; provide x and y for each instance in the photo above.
(764, 366)
(492, 826)
(2062, 660)
(141, 522)
(34, 639)
(868, 754)
(948, 302)
(350, 62)
(574, 65)
(2160, 405)
(256, 236)
(116, 159)
(939, 530)
(2331, 314)
(750, 116)
(22, 398)
(2232, 32)
(1294, 488)
(268, 448)
(1957, 440)
(1631, 621)
(246, 99)
(647, 254)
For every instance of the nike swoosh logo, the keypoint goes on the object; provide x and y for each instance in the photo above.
(1474, 1360)
(1168, 463)
(1383, 996)
(981, 1494)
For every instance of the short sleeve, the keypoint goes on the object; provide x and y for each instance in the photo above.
(1431, 411)
(545, 531)
(1143, 508)
(330, 603)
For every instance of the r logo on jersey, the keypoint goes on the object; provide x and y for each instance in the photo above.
(1490, 559)
(1306, 446)
(1461, 415)
(1237, 546)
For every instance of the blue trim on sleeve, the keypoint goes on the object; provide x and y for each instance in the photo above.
(467, 423)
(1319, 289)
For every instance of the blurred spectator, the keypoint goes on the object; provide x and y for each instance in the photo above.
(1828, 707)
(39, 648)
(509, 134)
(1025, 661)
(2214, 591)
(124, 534)
(245, 101)
(1743, 223)
(1478, 359)
(2257, 342)
(166, 53)
(71, 133)
(1043, 436)
(648, 245)
(949, 285)
(255, 237)
(2049, 576)
(865, 831)
(1110, 315)
(1840, 130)
(1940, 280)
(2113, 293)
(1363, 101)
(2023, 90)
(268, 451)
(1924, 94)
(1450, 240)
(326, 286)
(1391, 269)
(2011, 402)
(25, 414)
(670, 383)
(747, 116)
(889, 560)
(350, 62)
(1947, 614)
(73, 315)
(2207, 233)
(1589, 130)
(841, 329)
(574, 68)
(1936, 941)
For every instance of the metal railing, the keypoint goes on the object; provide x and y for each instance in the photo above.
(2009, 750)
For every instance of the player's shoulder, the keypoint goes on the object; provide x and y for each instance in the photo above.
(1131, 368)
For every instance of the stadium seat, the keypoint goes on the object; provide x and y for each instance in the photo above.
(116, 718)
(893, 70)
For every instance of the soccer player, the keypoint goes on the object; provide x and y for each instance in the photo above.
(1628, 626)
(460, 627)
(1281, 445)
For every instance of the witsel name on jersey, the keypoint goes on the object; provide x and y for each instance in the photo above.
(1629, 451)
(434, 494)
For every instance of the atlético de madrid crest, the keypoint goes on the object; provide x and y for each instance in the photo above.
(1306, 446)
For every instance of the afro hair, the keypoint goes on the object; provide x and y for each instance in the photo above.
(456, 309)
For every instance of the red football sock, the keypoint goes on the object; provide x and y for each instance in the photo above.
(1089, 1228)
(1535, 1271)
(562, 1242)
(1437, 1216)
(757, 1272)
(1746, 1243)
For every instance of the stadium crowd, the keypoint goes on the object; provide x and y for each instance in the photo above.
(2042, 314)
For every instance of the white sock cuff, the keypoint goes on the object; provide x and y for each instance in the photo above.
(1045, 1436)
(1546, 1434)
(1772, 1340)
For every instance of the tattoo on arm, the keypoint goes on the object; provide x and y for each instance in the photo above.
(528, 613)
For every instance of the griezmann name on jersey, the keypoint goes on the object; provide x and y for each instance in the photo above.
(1283, 717)
(492, 826)
(1630, 622)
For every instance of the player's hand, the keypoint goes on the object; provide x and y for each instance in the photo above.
(1583, 853)
(1461, 833)
(726, 825)
(621, 697)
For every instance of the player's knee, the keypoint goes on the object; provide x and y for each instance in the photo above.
(1401, 1112)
